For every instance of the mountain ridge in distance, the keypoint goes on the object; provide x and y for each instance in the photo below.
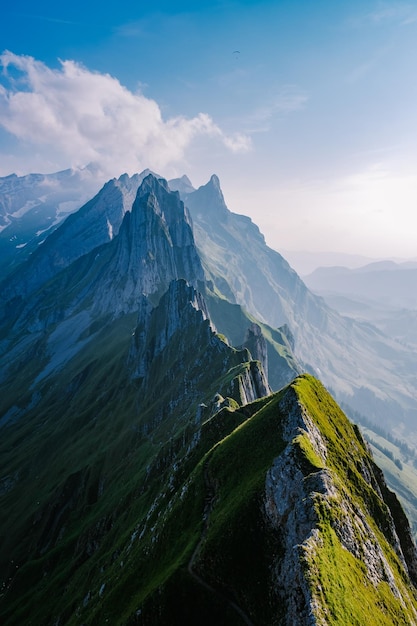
(305, 261)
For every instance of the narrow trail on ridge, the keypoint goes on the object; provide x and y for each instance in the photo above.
(208, 507)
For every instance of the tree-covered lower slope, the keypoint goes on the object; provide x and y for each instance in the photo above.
(268, 513)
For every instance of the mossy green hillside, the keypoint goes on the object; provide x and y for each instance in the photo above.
(239, 549)
(343, 592)
(94, 462)
(110, 503)
(339, 580)
(233, 321)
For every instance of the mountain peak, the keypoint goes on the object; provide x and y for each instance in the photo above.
(214, 180)
(155, 245)
(151, 182)
(183, 185)
(208, 200)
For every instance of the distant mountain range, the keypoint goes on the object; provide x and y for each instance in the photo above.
(305, 262)
(167, 451)
(384, 283)
(383, 293)
(32, 206)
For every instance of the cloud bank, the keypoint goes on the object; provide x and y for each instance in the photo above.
(81, 116)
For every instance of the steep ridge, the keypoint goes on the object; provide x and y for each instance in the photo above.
(98, 453)
(154, 246)
(181, 320)
(277, 505)
(366, 369)
(284, 519)
(347, 515)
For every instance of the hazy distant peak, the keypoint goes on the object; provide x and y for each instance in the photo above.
(208, 200)
(213, 188)
(214, 180)
(182, 184)
(184, 178)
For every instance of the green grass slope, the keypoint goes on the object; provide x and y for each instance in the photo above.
(130, 505)
(90, 463)
(228, 570)
(398, 462)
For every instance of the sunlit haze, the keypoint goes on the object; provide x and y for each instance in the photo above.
(306, 111)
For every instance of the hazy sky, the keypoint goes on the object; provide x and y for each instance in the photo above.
(305, 110)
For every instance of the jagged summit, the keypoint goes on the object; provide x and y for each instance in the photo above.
(215, 182)
(182, 184)
(155, 244)
(208, 199)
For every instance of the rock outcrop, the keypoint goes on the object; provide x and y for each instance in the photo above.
(256, 344)
(178, 331)
(313, 505)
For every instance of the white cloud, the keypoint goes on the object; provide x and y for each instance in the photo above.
(82, 116)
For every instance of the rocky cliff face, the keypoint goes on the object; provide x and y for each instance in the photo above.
(178, 333)
(313, 506)
(256, 344)
(154, 246)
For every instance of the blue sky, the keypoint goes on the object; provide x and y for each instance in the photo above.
(311, 126)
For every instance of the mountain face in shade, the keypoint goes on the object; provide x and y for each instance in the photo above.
(154, 246)
(149, 473)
